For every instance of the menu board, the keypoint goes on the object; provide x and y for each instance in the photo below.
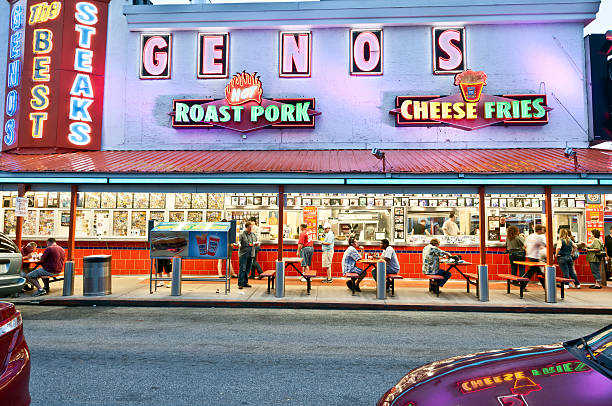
(309, 214)
(190, 240)
(594, 216)
(399, 224)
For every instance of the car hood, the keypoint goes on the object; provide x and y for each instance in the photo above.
(466, 374)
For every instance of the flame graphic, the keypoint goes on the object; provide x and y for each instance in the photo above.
(242, 88)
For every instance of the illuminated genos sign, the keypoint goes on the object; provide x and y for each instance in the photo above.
(61, 78)
(470, 109)
(448, 50)
(243, 109)
(366, 51)
(155, 56)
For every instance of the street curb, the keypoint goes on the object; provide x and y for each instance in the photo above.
(283, 304)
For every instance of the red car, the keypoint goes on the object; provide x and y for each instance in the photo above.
(15, 357)
(574, 373)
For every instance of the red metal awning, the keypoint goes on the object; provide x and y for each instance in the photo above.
(481, 161)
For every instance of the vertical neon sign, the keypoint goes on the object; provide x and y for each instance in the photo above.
(14, 68)
(59, 81)
(295, 51)
(448, 50)
(366, 52)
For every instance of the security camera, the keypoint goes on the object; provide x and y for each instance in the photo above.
(569, 152)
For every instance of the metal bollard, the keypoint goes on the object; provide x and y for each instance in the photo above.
(68, 289)
(551, 284)
(176, 277)
(483, 283)
(280, 279)
(381, 280)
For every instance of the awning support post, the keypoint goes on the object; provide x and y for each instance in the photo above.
(21, 191)
(281, 220)
(72, 227)
(483, 269)
(550, 274)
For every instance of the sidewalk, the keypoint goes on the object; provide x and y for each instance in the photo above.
(409, 295)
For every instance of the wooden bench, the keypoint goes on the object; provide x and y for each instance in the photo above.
(353, 276)
(271, 276)
(308, 276)
(472, 276)
(563, 281)
(391, 277)
(434, 284)
(50, 279)
(508, 277)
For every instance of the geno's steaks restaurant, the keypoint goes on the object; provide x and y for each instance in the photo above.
(372, 118)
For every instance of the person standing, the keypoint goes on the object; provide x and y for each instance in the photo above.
(593, 259)
(420, 228)
(51, 263)
(349, 263)
(515, 244)
(327, 246)
(565, 248)
(608, 245)
(220, 262)
(431, 262)
(163, 264)
(535, 244)
(390, 257)
(305, 249)
(256, 268)
(450, 227)
(246, 254)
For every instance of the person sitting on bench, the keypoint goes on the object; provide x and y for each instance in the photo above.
(51, 263)
(349, 263)
(431, 261)
(390, 257)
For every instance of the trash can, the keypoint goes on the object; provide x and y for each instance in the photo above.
(97, 275)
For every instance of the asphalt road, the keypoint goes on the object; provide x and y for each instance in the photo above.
(158, 356)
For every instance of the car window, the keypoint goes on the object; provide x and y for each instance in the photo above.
(595, 350)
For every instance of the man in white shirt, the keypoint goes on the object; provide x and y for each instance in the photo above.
(390, 257)
(450, 227)
(535, 244)
(327, 246)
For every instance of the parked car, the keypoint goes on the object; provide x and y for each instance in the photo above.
(577, 372)
(11, 281)
(15, 357)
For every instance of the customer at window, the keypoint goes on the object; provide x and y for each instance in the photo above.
(420, 228)
(305, 248)
(327, 246)
(594, 251)
(535, 245)
(245, 255)
(349, 263)
(51, 264)
(390, 257)
(431, 262)
(256, 270)
(450, 226)
(565, 249)
(515, 244)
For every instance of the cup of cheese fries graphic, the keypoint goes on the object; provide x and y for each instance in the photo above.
(471, 84)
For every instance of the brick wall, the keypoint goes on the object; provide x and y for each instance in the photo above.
(132, 258)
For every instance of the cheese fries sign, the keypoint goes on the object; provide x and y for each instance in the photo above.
(471, 109)
(243, 109)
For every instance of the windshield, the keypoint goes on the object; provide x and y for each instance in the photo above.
(595, 350)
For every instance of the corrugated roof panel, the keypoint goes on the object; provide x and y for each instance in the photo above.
(314, 161)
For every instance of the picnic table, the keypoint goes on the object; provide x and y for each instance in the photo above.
(290, 263)
(470, 278)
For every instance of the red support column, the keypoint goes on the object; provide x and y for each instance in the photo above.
(21, 191)
(482, 225)
(72, 227)
(549, 225)
(281, 221)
